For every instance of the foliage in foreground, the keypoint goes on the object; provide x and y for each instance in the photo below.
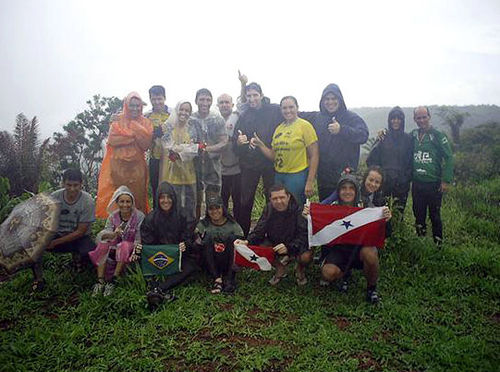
(439, 313)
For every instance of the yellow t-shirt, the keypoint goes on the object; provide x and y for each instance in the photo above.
(157, 119)
(178, 172)
(290, 142)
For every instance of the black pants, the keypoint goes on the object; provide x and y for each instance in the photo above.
(154, 174)
(79, 248)
(398, 192)
(219, 264)
(231, 187)
(249, 181)
(189, 267)
(327, 182)
(427, 195)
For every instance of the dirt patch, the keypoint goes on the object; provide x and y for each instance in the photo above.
(341, 322)
(496, 318)
(384, 335)
(6, 324)
(366, 361)
(226, 307)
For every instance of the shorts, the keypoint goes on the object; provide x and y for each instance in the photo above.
(340, 255)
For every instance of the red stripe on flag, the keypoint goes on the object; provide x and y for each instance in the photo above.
(260, 251)
(326, 214)
(371, 234)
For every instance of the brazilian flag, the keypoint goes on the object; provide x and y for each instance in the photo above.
(160, 260)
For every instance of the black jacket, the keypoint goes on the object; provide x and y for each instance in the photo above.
(394, 154)
(262, 121)
(336, 152)
(288, 227)
(170, 227)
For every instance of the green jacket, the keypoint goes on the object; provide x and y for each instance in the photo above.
(432, 157)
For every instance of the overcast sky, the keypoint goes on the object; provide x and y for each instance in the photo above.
(55, 55)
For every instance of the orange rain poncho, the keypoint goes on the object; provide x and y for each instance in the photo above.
(124, 162)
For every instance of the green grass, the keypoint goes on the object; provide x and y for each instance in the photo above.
(440, 312)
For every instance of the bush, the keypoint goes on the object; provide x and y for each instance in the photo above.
(479, 154)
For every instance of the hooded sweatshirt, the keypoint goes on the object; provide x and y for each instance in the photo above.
(394, 154)
(288, 227)
(349, 178)
(337, 151)
(160, 227)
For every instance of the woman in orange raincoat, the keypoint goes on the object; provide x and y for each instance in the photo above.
(124, 162)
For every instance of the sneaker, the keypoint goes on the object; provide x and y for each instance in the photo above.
(37, 286)
(97, 289)
(324, 283)
(108, 289)
(372, 297)
(344, 286)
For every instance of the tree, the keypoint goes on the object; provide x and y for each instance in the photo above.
(368, 146)
(454, 119)
(21, 155)
(80, 145)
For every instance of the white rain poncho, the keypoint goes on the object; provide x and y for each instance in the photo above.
(177, 166)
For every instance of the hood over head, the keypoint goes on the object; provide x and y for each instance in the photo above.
(166, 188)
(126, 103)
(332, 88)
(349, 178)
(396, 111)
(122, 190)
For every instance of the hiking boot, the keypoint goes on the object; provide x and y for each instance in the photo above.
(98, 288)
(372, 296)
(108, 289)
(155, 297)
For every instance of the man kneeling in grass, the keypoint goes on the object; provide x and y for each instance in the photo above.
(73, 233)
(283, 226)
(339, 259)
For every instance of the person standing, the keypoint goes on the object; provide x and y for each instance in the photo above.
(231, 173)
(432, 173)
(394, 154)
(213, 139)
(259, 118)
(294, 150)
(124, 162)
(158, 115)
(340, 133)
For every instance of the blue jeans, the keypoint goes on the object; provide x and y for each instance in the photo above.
(294, 182)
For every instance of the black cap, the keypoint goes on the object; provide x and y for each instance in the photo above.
(214, 201)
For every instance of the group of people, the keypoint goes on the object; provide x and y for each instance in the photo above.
(207, 157)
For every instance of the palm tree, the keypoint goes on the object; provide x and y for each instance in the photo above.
(21, 155)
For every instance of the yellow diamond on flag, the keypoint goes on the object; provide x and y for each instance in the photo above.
(160, 260)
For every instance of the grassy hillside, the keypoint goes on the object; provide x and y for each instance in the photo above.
(439, 312)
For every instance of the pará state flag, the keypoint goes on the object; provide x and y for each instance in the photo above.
(160, 260)
(341, 224)
(254, 256)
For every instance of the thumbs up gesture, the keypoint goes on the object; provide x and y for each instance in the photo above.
(242, 138)
(256, 141)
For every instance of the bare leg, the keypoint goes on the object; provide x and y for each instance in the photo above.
(119, 269)
(369, 256)
(101, 269)
(331, 272)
